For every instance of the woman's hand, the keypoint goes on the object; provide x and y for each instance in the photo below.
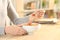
(37, 15)
(15, 30)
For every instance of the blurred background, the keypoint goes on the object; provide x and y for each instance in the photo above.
(27, 7)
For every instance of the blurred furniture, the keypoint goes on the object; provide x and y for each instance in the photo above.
(58, 14)
(25, 6)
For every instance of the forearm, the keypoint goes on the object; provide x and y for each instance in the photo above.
(21, 20)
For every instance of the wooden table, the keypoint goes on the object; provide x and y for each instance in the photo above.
(47, 32)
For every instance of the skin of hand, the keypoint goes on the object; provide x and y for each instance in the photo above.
(37, 14)
(15, 30)
(33, 16)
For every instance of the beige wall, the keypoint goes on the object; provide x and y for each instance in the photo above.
(20, 7)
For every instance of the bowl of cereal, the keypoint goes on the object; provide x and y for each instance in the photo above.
(31, 27)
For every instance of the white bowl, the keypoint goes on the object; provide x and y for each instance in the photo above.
(30, 29)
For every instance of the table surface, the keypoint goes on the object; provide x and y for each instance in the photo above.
(47, 32)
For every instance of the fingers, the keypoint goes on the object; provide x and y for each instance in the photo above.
(21, 32)
(38, 14)
(15, 30)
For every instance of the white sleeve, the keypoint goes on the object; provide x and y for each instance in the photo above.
(14, 16)
(2, 30)
(11, 11)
